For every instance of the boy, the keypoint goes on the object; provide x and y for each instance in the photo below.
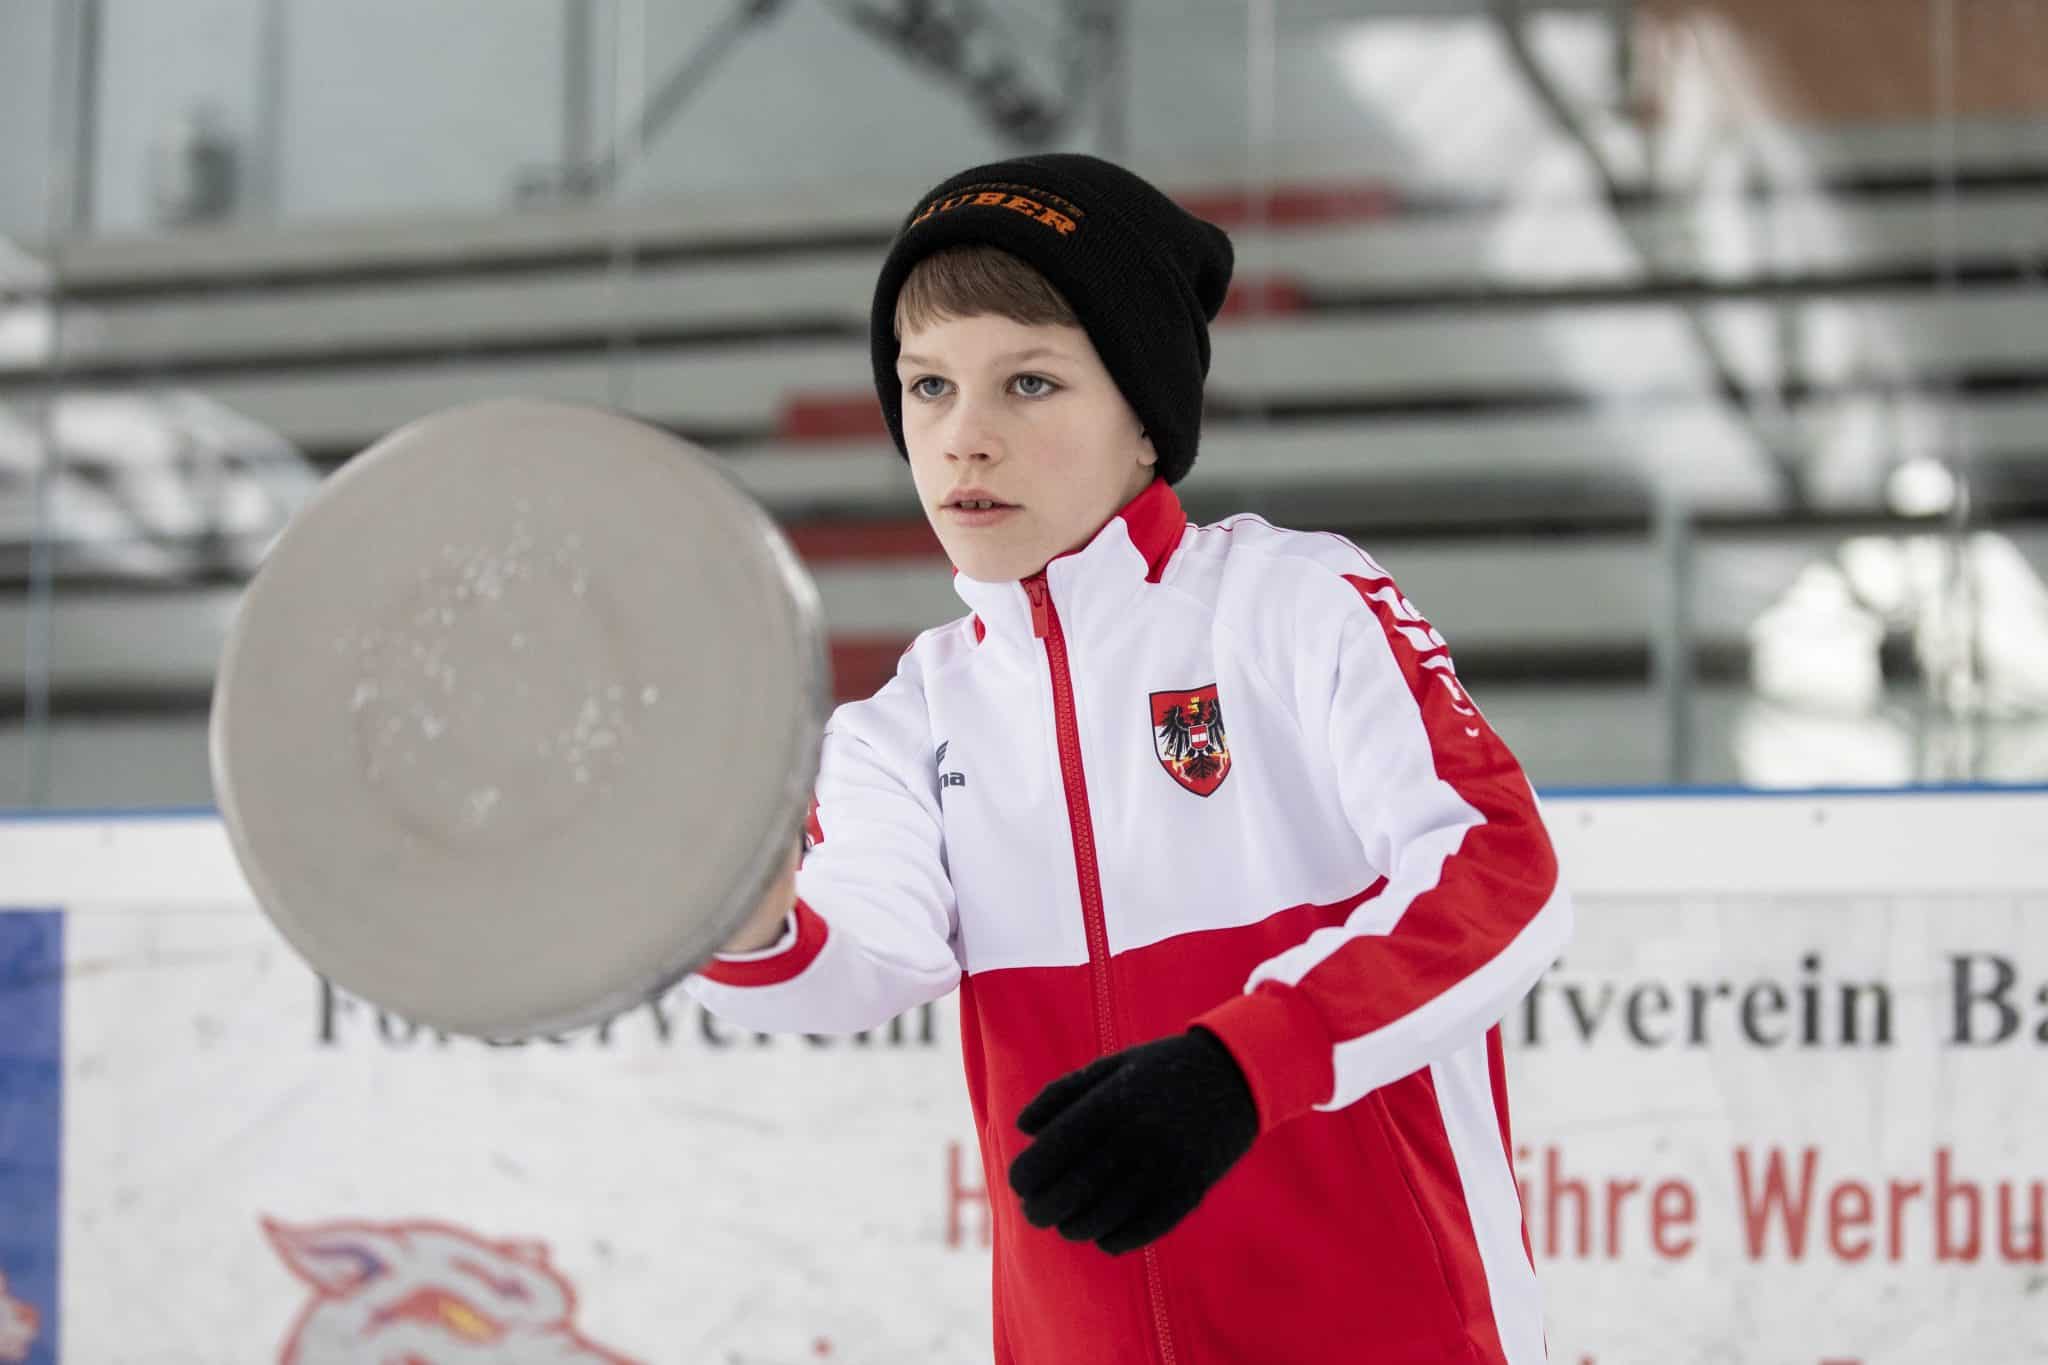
(1234, 880)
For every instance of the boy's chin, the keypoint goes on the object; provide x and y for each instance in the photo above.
(991, 571)
(991, 565)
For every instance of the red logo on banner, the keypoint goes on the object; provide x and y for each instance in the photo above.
(429, 1293)
(1187, 733)
(18, 1324)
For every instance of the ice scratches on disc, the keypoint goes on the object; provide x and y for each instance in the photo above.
(489, 703)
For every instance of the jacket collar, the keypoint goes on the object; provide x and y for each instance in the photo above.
(1089, 582)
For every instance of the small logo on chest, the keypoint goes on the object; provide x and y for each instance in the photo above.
(1187, 734)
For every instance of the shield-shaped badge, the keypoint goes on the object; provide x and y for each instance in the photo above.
(1187, 733)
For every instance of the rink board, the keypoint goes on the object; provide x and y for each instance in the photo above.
(1778, 1102)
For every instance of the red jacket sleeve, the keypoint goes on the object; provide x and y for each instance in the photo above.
(1471, 913)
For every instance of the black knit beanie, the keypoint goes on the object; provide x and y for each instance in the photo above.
(1143, 276)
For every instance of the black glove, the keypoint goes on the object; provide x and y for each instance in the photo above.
(1128, 1145)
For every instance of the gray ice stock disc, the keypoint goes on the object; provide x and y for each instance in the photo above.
(519, 717)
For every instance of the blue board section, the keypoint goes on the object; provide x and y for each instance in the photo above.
(31, 1117)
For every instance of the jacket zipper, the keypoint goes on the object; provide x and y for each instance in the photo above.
(1045, 624)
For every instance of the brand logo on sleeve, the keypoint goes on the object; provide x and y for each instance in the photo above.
(947, 779)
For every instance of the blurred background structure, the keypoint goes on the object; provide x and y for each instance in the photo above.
(1687, 362)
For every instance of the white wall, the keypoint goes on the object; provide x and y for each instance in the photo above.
(398, 106)
(28, 41)
(390, 106)
(407, 106)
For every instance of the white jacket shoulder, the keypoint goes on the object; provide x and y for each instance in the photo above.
(895, 719)
(1278, 587)
(1247, 545)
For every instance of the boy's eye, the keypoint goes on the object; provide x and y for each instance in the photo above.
(1026, 386)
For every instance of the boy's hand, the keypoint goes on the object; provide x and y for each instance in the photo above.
(1128, 1145)
(764, 926)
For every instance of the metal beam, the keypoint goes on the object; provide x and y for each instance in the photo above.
(1776, 447)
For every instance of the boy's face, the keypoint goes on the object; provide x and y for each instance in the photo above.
(1024, 415)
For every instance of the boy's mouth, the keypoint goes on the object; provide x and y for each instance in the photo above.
(977, 511)
(975, 500)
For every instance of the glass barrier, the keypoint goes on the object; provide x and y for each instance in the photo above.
(1685, 363)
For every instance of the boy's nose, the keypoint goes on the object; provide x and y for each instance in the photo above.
(973, 439)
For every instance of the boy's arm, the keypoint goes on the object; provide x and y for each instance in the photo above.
(868, 925)
(1471, 912)
(1467, 917)
(772, 926)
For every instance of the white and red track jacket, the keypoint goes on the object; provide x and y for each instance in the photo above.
(1220, 775)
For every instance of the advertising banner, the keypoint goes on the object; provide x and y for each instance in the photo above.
(1779, 1101)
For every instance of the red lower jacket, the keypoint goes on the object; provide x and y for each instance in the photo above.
(1221, 774)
